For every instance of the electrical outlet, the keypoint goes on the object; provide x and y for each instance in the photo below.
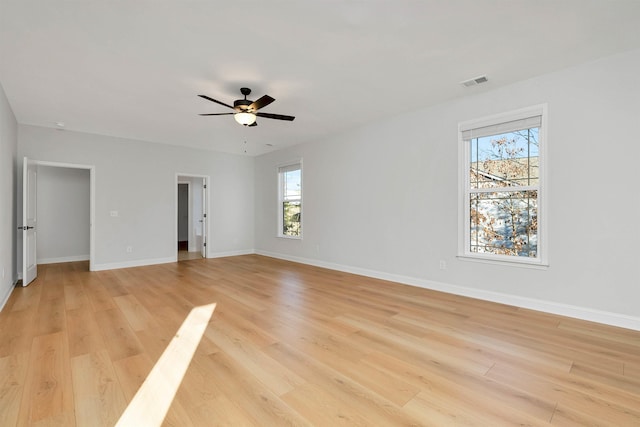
(443, 265)
(129, 249)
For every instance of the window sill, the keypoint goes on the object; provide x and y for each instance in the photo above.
(536, 265)
(289, 237)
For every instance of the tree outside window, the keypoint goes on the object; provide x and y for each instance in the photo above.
(504, 220)
(290, 200)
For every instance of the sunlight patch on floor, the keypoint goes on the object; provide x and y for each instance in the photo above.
(152, 401)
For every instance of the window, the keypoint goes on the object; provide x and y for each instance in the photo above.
(290, 200)
(502, 187)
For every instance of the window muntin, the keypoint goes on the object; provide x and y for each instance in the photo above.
(290, 201)
(503, 188)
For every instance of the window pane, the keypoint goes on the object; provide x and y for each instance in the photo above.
(506, 160)
(292, 184)
(504, 223)
(291, 218)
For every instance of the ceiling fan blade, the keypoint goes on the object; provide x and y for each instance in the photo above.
(217, 114)
(215, 100)
(262, 102)
(275, 116)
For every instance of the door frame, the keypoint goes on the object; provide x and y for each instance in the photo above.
(189, 220)
(206, 205)
(92, 202)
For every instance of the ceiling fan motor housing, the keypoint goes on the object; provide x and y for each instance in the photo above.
(241, 104)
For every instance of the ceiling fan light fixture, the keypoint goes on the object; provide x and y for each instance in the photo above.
(244, 118)
(245, 111)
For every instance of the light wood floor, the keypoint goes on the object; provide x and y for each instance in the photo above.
(296, 345)
(186, 255)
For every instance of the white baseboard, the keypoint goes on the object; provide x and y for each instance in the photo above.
(143, 262)
(128, 264)
(583, 313)
(63, 259)
(6, 296)
(231, 253)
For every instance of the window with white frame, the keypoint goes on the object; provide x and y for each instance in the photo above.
(502, 186)
(290, 200)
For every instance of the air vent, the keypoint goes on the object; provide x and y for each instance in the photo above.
(474, 81)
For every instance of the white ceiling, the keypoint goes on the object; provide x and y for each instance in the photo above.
(133, 68)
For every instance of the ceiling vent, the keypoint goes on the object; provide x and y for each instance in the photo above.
(474, 81)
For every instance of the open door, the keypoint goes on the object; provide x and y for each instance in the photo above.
(198, 205)
(203, 249)
(29, 221)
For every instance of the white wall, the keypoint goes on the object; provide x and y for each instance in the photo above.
(137, 179)
(63, 214)
(8, 222)
(383, 200)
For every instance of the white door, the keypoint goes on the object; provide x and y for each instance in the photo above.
(203, 250)
(29, 221)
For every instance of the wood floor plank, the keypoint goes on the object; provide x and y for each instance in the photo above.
(13, 372)
(499, 349)
(259, 403)
(291, 344)
(99, 297)
(602, 376)
(363, 402)
(632, 370)
(83, 331)
(120, 339)
(53, 315)
(115, 281)
(98, 397)
(137, 315)
(17, 332)
(221, 412)
(604, 403)
(200, 386)
(74, 295)
(24, 298)
(54, 276)
(436, 414)
(132, 371)
(467, 392)
(48, 393)
(276, 377)
(322, 408)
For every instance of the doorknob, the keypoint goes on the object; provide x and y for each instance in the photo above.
(26, 227)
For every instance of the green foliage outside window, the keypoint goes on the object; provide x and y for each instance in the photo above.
(291, 218)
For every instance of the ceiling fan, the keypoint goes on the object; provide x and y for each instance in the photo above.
(246, 111)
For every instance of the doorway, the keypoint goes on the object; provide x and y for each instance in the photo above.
(58, 208)
(191, 216)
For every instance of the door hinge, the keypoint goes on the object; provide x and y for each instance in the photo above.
(205, 215)
(205, 244)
